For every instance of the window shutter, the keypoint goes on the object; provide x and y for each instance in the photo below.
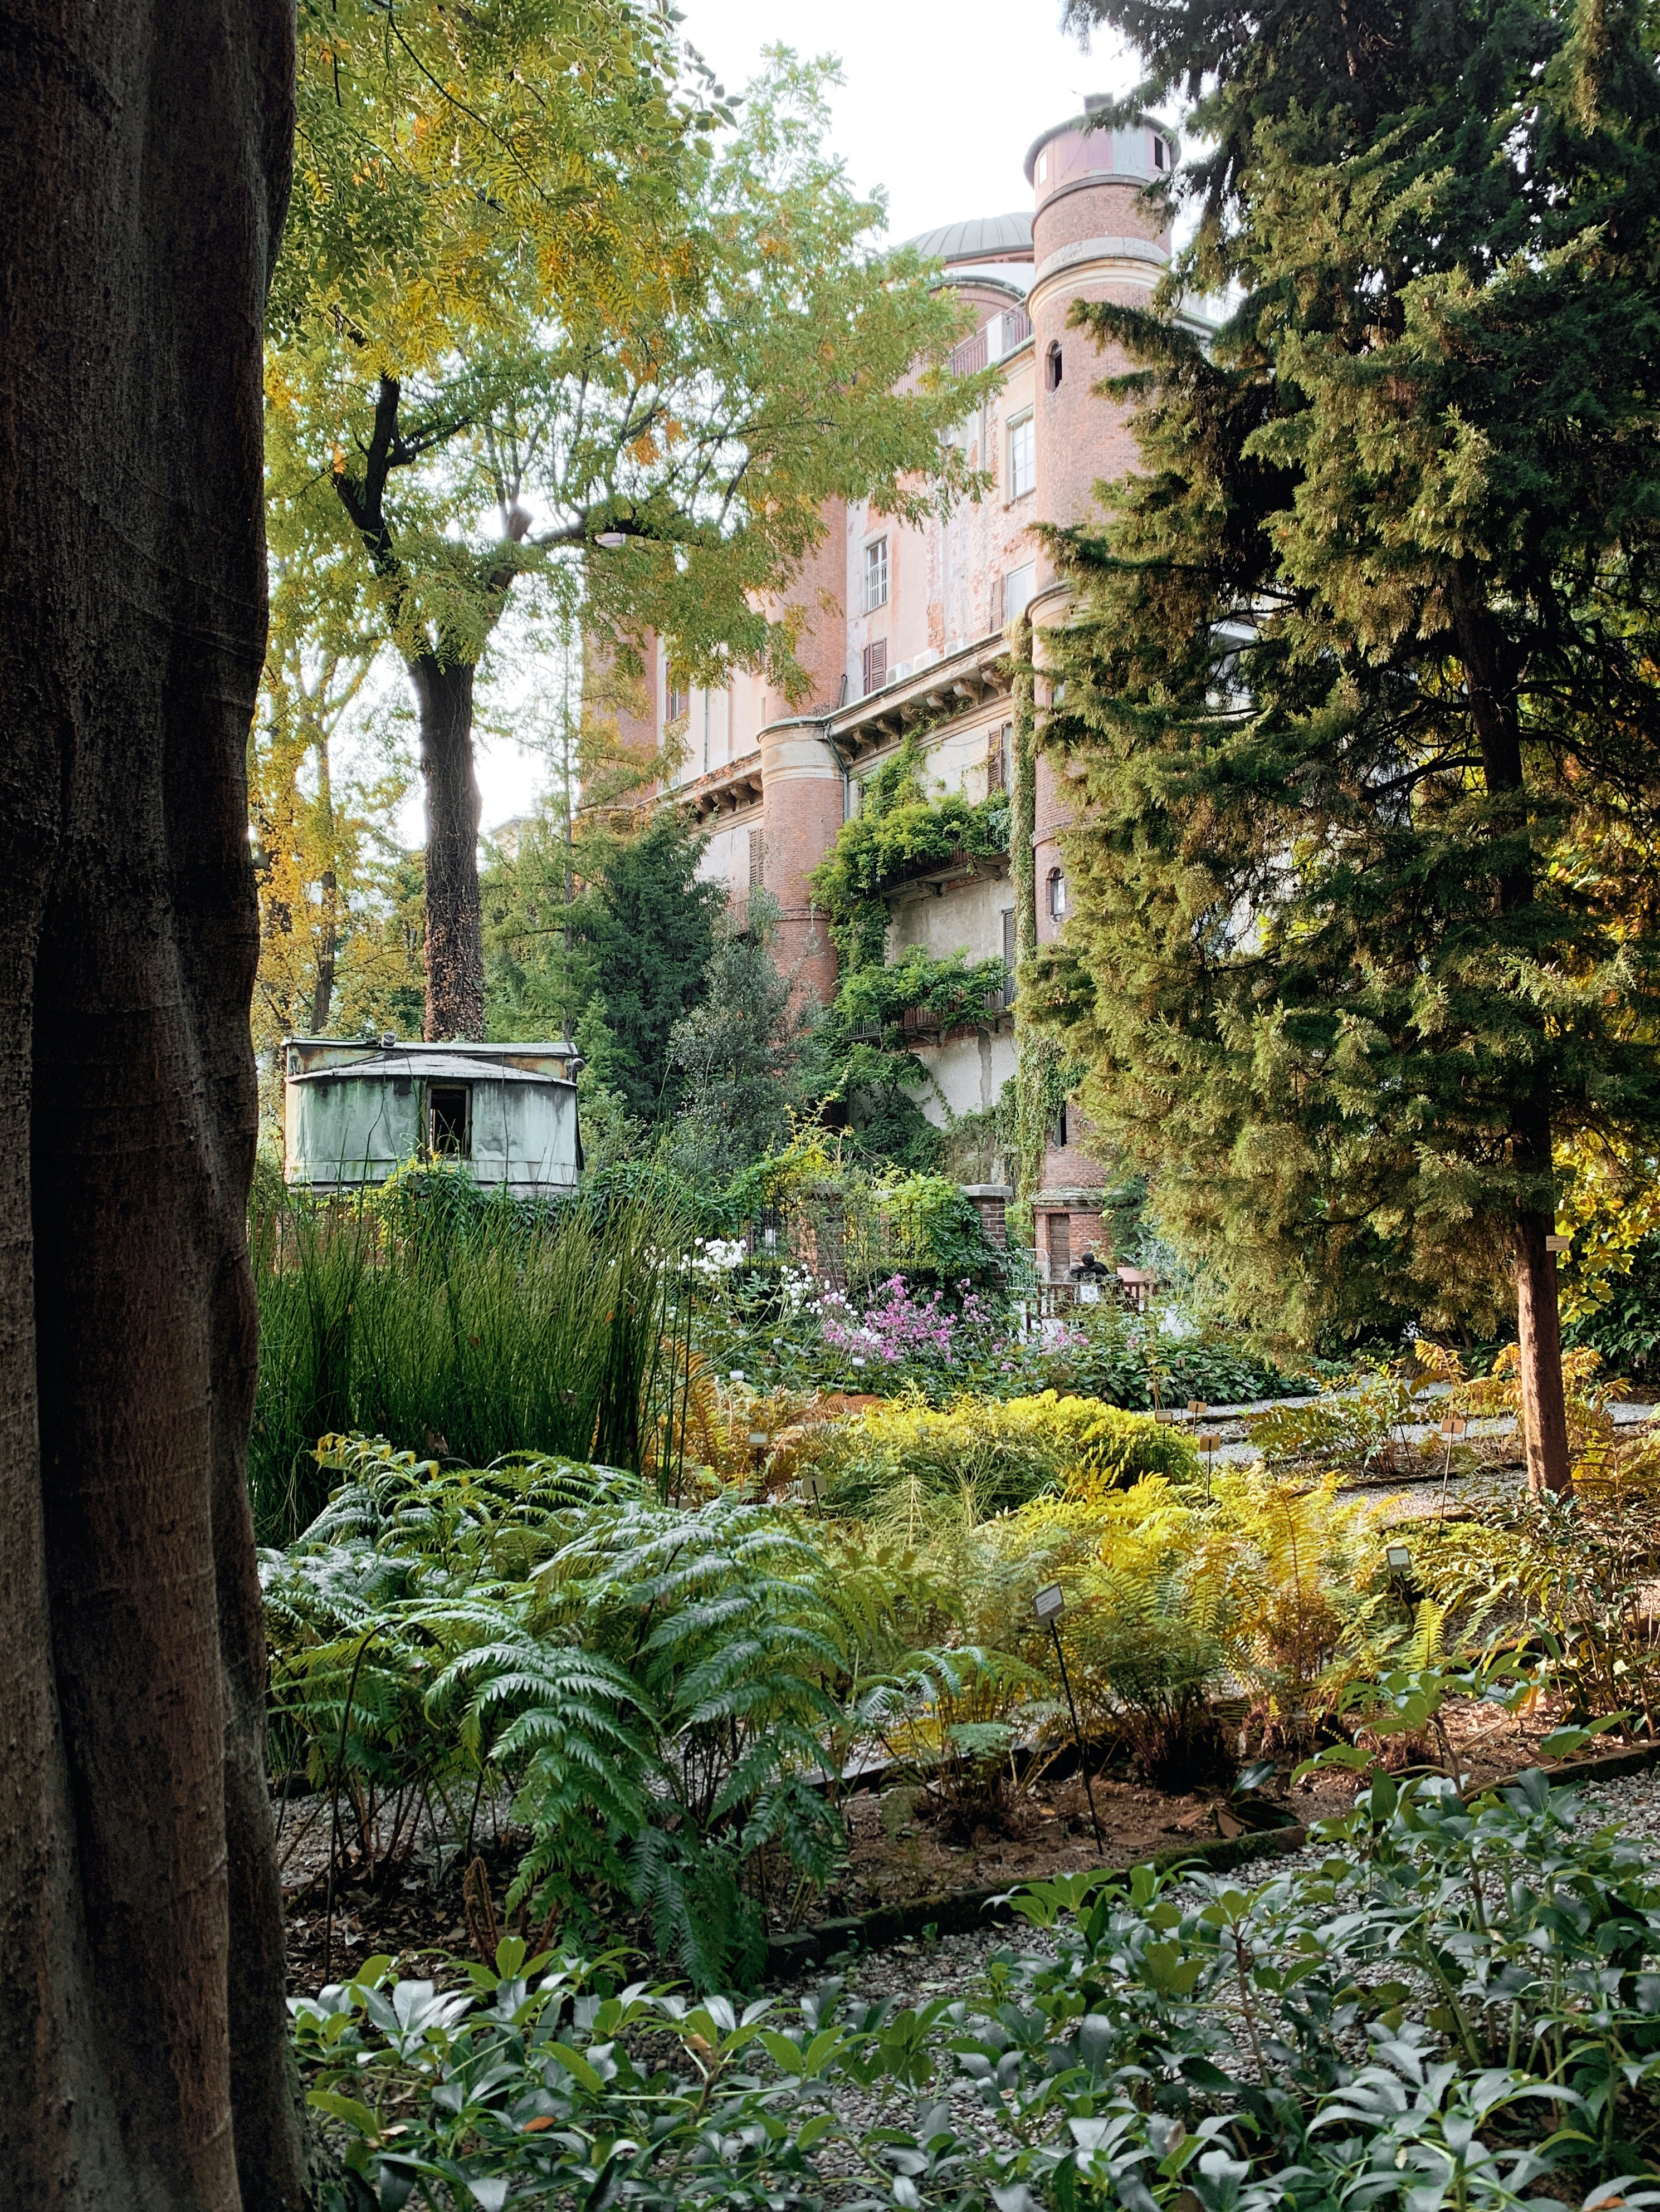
(757, 860)
(876, 666)
(996, 775)
(996, 603)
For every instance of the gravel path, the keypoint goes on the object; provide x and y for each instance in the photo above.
(956, 1966)
(953, 1964)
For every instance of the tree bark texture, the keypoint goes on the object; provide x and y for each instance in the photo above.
(455, 942)
(1491, 693)
(143, 176)
(328, 918)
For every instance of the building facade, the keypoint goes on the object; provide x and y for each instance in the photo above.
(910, 622)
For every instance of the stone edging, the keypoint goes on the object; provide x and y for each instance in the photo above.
(961, 1912)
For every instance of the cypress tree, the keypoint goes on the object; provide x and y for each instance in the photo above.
(1362, 667)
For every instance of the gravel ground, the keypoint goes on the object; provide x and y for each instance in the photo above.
(956, 1966)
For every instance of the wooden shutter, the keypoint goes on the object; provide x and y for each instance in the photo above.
(757, 860)
(876, 666)
(996, 761)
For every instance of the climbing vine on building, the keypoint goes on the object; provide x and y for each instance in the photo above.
(899, 832)
(1038, 1089)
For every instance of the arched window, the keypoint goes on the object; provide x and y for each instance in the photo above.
(1057, 884)
(1052, 365)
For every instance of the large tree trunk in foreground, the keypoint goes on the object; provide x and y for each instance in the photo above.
(455, 943)
(143, 172)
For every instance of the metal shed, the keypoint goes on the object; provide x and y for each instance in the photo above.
(353, 1112)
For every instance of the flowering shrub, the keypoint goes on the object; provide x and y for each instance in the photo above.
(899, 1324)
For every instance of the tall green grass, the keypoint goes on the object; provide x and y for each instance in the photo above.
(461, 1325)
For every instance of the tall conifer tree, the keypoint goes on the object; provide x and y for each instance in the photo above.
(1367, 648)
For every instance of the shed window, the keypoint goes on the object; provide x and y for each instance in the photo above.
(449, 1121)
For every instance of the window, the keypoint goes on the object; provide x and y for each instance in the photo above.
(1008, 956)
(1160, 152)
(876, 575)
(876, 666)
(1060, 1130)
(676, 703)
(1022, 455)
(997, 760)
(1018, 588)
(1057, 897)
(1052, 366)
(758, 860)
(449, 1121)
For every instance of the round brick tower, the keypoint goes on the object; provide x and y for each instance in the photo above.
(1093, 238)
(804, 804)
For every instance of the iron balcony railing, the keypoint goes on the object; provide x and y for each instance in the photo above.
(1000, 336)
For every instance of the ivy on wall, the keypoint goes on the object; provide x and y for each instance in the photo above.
(898, 833)
(1037, 1058)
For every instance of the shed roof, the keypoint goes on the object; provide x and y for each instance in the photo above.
(430, 1063)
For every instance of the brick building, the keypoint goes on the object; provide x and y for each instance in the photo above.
(908, 628)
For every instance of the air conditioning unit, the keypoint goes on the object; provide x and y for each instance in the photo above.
(899, 671)
(925, 659)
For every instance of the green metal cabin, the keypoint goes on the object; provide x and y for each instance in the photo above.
(353, 1112)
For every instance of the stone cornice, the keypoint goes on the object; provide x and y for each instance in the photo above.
(1127, 260)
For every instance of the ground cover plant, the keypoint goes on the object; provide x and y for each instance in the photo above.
(1452, 2005)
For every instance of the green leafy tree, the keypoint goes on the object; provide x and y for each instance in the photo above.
(542, 295)
(740, 1056)
(616, 952)
(326, 773)
(1365, 642)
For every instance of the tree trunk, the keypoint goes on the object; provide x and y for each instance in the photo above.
(328, 919)
(144, 2063)
(1539, 1339)
(455, 940)
(1538, 1322)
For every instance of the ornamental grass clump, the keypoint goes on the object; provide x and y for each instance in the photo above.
(458, 1325)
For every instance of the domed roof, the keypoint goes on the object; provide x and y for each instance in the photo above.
(986, 238)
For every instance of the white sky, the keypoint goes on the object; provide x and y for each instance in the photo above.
(941, 99)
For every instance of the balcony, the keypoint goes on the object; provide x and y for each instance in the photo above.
(1003, 335)
(970, 357)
